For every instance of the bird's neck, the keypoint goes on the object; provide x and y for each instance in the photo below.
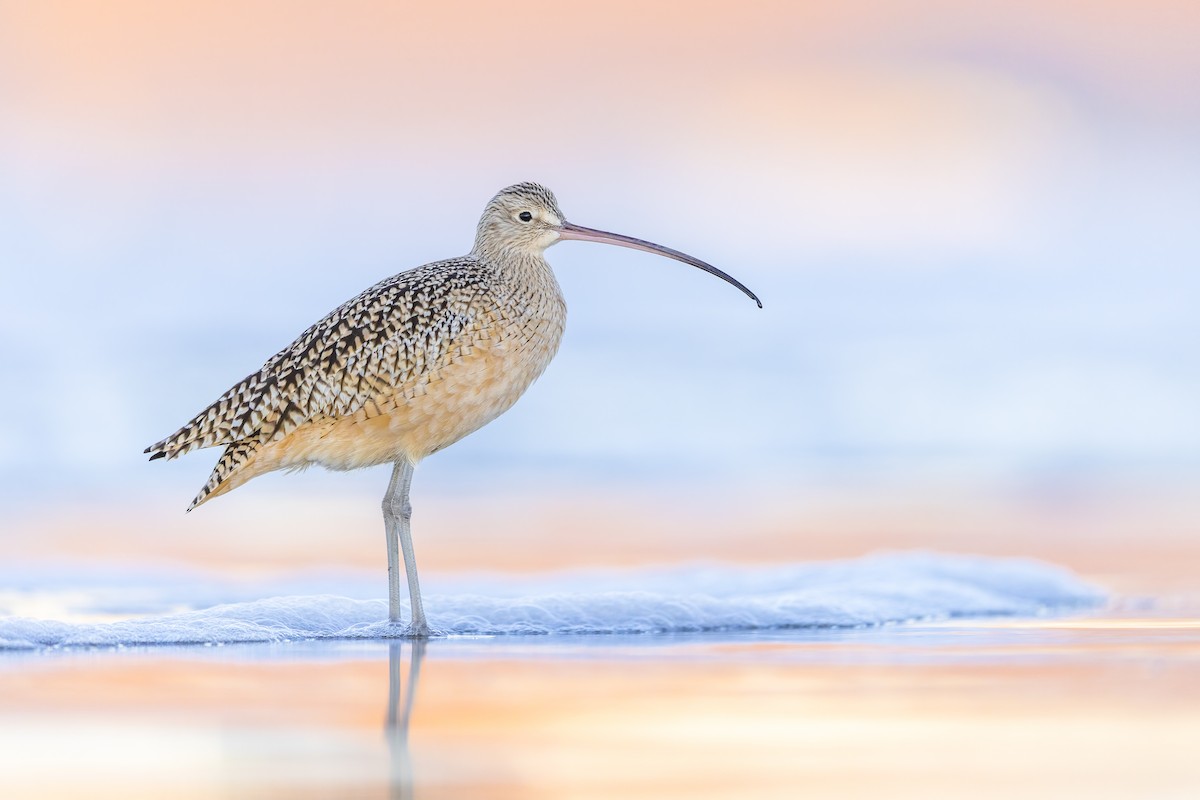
(515, 260)
(522, 272)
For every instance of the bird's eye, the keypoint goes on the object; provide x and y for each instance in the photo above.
(525, 216)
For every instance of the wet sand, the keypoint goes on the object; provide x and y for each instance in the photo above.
(1102, 706)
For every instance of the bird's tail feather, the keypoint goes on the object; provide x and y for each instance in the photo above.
(228, 473)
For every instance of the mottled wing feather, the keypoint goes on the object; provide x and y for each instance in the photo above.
(234, 456)
(363, 352)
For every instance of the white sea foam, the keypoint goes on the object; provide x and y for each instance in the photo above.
(864, 592)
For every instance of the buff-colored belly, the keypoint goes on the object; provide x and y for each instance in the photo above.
(478, 380)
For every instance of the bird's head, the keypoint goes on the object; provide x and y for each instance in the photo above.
(525, 219)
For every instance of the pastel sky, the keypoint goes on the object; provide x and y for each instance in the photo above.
(973, 226)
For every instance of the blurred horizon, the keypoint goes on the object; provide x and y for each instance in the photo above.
(973, 230)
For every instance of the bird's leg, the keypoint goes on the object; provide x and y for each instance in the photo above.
(397, 515)
(390, 522)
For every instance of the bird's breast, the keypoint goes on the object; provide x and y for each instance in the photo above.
(484, 375)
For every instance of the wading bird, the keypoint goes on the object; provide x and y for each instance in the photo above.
(410, 366)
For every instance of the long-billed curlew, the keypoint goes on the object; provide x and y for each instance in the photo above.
(408, 367)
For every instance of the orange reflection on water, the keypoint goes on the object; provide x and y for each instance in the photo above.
(1066, 708)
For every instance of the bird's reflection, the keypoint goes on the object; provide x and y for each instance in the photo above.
(399, 711)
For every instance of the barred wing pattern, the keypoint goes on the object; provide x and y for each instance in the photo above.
(359, 355)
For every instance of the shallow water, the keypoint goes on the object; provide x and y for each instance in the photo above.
(1046, 695)
(1105, 706)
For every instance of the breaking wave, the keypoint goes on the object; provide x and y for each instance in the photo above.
(870, 591)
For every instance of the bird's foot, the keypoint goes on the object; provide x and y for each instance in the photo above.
(418, 630)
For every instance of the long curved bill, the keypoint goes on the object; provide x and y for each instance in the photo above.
(569, 230)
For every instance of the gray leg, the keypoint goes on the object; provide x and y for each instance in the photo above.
(391, 521)
(397, 515)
